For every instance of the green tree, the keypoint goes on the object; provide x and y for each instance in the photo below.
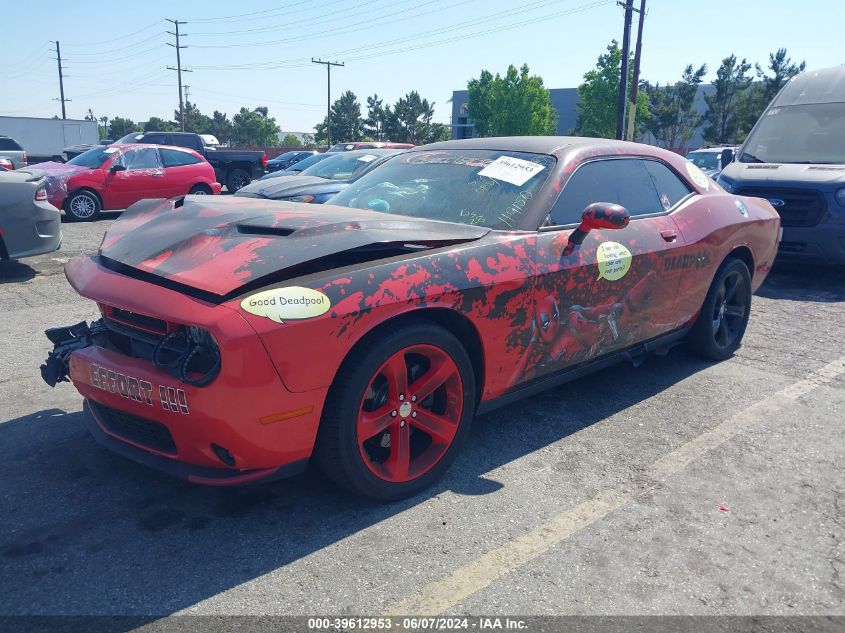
(513, 105)
(410, 121)
(291, 140)
(721, 122)
(221, 127)
(121, 126)
(782, 71)
(103, 132)
(308, 140)
(346, 121)
(673, 117)
(155, 124)
(751, 103)
(598, 96)
(195, 121)
(374, 123)
(255, 127)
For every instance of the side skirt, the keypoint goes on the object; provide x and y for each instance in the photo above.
(634, 354)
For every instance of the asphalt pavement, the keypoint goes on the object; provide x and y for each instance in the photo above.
(681, 487)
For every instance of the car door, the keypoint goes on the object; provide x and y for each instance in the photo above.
(142, 177)
(611, 291)
(180, 171)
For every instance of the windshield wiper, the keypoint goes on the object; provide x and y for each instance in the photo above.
(749, 158)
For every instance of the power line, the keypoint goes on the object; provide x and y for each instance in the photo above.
(116, 39)
(179, 70)
(302, 62)
(61, 80)
(328, 66)
(247, 17)
(632, 108)
(622, 100)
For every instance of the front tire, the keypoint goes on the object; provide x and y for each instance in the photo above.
(398, 412)
(237, 179)
(721, 324)
(83, 206)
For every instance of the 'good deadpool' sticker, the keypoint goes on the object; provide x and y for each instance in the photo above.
(287, 304)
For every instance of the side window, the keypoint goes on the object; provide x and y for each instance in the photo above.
(187, 140)
(622, 181)
(175, 158)
(155, 139)
(143, 158)
(670, 189)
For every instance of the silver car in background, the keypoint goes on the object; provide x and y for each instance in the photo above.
(11, 149)
(29, 225)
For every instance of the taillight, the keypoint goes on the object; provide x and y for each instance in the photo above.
(25, 159)
(264, 160)
(41, 194)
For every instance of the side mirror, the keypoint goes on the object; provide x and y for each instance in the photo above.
(599, 215)
(603, 215)
(118, 167)
(726, 157)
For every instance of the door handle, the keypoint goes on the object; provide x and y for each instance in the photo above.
(669, 235)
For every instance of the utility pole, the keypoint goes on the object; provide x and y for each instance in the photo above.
(61, 80)
(328, 66)
(632, 108)
(179, 70)
(623, 79)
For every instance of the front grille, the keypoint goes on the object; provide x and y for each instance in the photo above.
(135, 429)
(801, 208)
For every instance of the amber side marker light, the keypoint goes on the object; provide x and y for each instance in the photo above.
(287, 415)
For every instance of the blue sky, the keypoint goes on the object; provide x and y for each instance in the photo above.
(116, 53)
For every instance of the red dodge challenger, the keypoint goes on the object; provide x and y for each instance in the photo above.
(118, 176)
(241, 338)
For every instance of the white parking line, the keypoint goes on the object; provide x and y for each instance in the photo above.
(443, 594)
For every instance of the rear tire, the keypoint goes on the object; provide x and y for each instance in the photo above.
(237, 179)
(200, 190)
(83, 206)
(397, 413)
(721, 324)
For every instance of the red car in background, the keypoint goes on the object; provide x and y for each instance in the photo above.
(118, 176)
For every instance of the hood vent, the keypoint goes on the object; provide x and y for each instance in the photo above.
(825, 168)
(272, 231)
(763, 167)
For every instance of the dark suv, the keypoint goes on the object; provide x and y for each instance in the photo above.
(795, 158)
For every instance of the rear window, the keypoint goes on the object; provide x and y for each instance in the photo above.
(175, 158)
(10, 144)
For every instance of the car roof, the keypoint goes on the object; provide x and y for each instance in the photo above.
(150, 145)
(813, 86)
(554, 145)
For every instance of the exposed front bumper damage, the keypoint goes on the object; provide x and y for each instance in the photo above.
(242, 426)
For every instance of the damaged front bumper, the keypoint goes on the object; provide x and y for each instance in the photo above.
(67, 340)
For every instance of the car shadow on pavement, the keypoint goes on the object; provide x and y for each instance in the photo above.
(13, 271)
(805, 282)
(85, 531)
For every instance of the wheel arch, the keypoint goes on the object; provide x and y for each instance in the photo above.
(87, 188)
(454, 322)
(744, 254)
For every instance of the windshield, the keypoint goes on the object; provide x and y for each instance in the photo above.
(483, 187)
(809, 133)
(307, 162)
(93, 158)
(704, 160)
(341, 166)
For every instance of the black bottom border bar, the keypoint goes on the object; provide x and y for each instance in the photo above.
(336, 624)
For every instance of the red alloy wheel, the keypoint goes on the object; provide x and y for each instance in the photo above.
(410, 413)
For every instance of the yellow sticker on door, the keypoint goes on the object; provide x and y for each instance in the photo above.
(614, 260)
(287, 304)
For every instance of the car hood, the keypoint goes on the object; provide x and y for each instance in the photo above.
(58, 175)
(275, 188)
(222, 247)
(783, 175)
